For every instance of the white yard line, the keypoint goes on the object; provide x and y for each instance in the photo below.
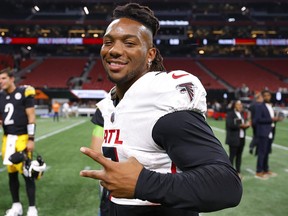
(250, 138)
(250, 171)
(59, 131)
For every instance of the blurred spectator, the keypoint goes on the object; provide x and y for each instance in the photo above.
(74, 109)
(56, 108)
(242, 92)
(236, 126)
(264, 121)
(65, 110)
(257, 100)
(216, 106)
(218, 113)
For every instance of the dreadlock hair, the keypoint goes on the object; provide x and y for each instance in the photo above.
(144, 15)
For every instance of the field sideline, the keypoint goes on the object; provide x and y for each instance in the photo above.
(63, 192)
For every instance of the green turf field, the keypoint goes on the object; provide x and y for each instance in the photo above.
(261, 197)
(62, 192)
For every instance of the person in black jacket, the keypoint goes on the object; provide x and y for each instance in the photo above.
(236, 127)
(252, 108)
(160, 157)
(264, 121)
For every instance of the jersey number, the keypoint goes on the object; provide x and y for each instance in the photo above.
(9, 109)
(110, 152)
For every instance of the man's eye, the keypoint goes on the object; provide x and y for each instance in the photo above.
(128, 43)
(107, 42)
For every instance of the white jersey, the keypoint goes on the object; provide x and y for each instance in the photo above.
(128, 126)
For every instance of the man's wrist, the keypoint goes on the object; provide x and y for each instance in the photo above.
(31, 138)
(31, 127)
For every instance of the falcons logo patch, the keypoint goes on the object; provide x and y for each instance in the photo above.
(186, 88)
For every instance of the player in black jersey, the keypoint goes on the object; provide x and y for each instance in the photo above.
(164, 159)
(96, 142)
(18, 121)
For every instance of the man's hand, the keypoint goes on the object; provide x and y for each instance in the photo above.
(119, 178)
(30, 145)
(245, 126)
(276, 119)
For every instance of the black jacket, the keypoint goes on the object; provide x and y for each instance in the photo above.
(233, 129)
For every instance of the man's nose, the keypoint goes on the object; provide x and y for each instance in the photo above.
(116, 49)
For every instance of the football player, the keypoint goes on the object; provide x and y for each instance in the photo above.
(18, 120)
(97, 134)
(160, 157)
(96, 143)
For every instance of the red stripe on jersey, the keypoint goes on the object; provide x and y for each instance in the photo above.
(173, 168)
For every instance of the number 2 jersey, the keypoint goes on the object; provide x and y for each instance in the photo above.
(13, 109)
(128, 126)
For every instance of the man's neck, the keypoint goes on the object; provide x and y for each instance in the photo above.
(11, 89)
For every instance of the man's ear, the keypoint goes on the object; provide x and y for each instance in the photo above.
(151, 54)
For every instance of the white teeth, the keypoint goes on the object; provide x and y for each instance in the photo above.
(113, 63)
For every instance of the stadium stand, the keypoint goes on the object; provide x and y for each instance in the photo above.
(98, 78)
(11, 61)
(54, 72)
(6, 61)
(26, 62)
(214, 73)
(191, 66)
(239, 71)
(277, 66)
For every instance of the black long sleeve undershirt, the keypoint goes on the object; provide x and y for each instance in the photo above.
(207, 181)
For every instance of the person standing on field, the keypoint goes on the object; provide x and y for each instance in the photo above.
(18, 120)
(236, 126)
(160, 157)
(56, 108)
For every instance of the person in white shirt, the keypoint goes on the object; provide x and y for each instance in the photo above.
(65, 110)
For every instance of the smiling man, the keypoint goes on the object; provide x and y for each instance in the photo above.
(160, 157)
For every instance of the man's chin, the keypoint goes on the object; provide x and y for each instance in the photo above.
(116, 80)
